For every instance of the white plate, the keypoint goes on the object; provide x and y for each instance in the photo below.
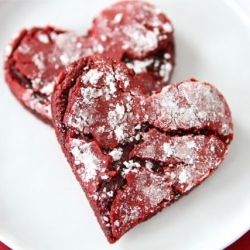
(41, 204)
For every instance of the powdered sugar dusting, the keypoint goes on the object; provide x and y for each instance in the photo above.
(191, 144)
(51, 50)
(43, 38)
(140, 40)
(101, 87)
(184, 176)
(157, 191)
(144, 191)
(147, 166)
(79, 118)
(130, 166)
(47, 89)
(164, 66)
(118, 17)
(191, 104)
(167, 27)
(165, 70)
(132, 214)
(24, 49)
(168, 149)
(89, 94)
(116, 153)
(83, 155)
(92, 76)
(38, 60)
(116, 116)
(139, 66)
(141, 34)
(188, 159)
(67, 46)
(116, 120)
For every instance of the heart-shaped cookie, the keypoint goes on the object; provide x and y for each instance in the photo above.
(134, 32)
(132, 153)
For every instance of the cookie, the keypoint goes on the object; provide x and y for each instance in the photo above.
(134, 153)
(134, 32)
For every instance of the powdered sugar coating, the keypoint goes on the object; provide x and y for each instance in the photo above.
(140, 66)
(144, 191)
(138, 37)
(118, 18)
(92, 77)
(190, 104)
(144, 40)
(90, 163)
(158, 147)
(175, 107)
(140, 41)
(24, 49)
(116, 153)
(83, 155)
(40, 54)
(38, 60)
(69, 46)
(104, 90)
(43, 38)
(194, 156)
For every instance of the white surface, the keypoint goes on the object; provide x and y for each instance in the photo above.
(41, 204)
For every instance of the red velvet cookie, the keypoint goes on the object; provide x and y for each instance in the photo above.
(132, 153)
(134, 32)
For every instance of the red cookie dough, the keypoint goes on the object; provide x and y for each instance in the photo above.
(134, 32)
(132, 153)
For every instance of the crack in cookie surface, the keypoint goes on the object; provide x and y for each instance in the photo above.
(142, 151)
